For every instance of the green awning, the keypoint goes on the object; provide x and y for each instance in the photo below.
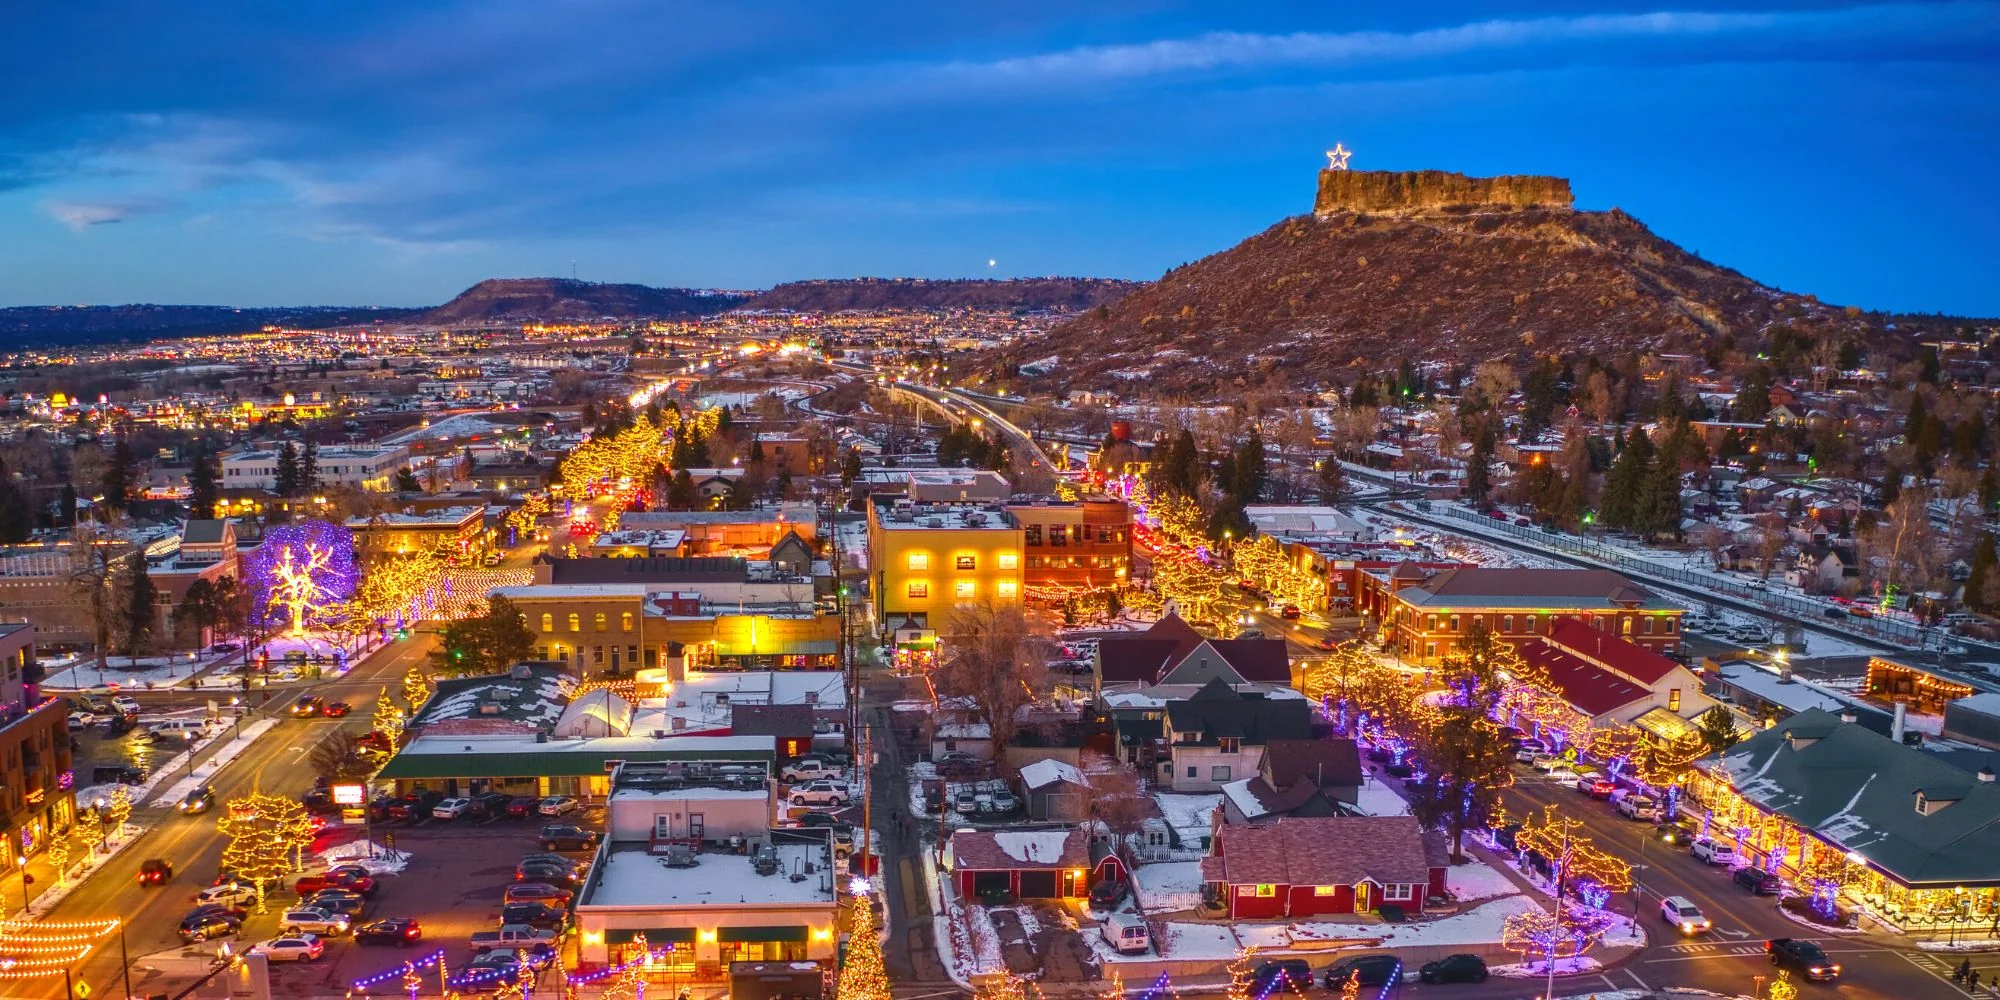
(541, 765)
(655, 936)
(803, 647)
(760, 935)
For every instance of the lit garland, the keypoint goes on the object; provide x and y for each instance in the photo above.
(120, 809)
(266, 834)
(417, 688)
(400, 970)
(389, 719)
(59, 857)
(1782, 988)
(30, 950)
(1541, 933)
(300, 572)
(1562, 841)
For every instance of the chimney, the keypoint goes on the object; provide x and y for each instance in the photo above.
(1986, 774)
(1847, 714)
(1896, 727)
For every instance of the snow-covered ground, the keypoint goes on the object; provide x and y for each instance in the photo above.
(1378, 799)
(1169, 886)
(143, 673)
(1470, 883)
(1564, 967)
(216, 761)
(1478, 926)
(1189, 815)
(377, 859)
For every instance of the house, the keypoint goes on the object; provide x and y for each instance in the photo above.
(1824, 569)
(1302, 867)
(1614, 681)
(962, 736)
(1297, 778)
(1172, 652)
(1220, 734)
(1055, 791)
(1029, 864)
(1433, 615)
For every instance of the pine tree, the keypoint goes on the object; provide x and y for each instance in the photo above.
(1332, 479)
(680, 492)
(1753, 398)
(1250, 474)
(850, 467)
(862, 977)
(66, 504)
(287, 476)
(1624, 483)
(406, 481)
(17, 519)
(309, 467)
(118, 477)
(139, 616)
(1718, 729)
(1983, 563)
(1478, 469)
(203, 486)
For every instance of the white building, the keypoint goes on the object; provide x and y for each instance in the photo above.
(361, 467)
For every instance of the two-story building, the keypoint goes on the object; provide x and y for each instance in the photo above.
(1430, 616)
(37, 783)
(451, 531)
(1219, 735)
(1069, 544)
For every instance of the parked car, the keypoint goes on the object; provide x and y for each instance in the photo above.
(293, 948)
(491, 972)
(558, 805)
(308, 885)
(126, 704)
(1126, 933)
(399, 931)
(336, 901)
(1290, 612)
(208, 925)
(1758, 881)
(451, 808)
(566, 837)
(510, 936)
(1638, 807)
(809, 770)
(315, 921)
(546, 871)
(227, 893)
(1713, 852)
(155, 871)
(1454, 969)
(521, 892)
(81, 720)
(1291, 975)
(535, 913)
(1682, 913)
(491, 805)
(416, 805)
(1107, 893)
(1802, 957)
(521, 807)
(1371, 970)
(816, 818)
(1595, 786)
(819, 793)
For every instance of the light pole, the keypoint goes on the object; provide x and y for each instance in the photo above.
(21, 861)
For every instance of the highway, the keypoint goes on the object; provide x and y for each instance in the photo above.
(276, 763)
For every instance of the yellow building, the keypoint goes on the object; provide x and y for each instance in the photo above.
(931, 559)
(454, 531)
(616, 628)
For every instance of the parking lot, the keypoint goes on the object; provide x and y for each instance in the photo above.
(452, 887)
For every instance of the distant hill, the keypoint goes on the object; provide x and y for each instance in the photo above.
(512, 300)
(1425, 266)
(64, 326)
(921, 294)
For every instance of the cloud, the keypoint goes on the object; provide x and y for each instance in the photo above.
(80, 215)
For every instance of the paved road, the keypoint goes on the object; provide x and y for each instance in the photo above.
(277, 762)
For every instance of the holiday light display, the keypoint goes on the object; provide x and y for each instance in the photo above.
(1540, 934)
(301, 573)
(1782, 988)
(32, 949)
(1561, 839)
(120, 809)
(1200, 591)
(389, 719)
(1240, 974)
(863, 977)
(1003, 986)
(1263, 561)
(417, 688)
(1350, 988)
(59, 857)
(1665, 764)
(91, 832)
(265, 833)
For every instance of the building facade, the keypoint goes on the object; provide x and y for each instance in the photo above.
(1072, 545)
(931, 559)
(37, 782)
(1431, 614)
(360, 467)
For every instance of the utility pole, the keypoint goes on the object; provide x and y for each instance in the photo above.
(1562, 875)
(865, 764)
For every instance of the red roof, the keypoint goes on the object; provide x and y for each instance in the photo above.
(1019, 850)
(1321, 850)
(1628, 658)
(1591, 689)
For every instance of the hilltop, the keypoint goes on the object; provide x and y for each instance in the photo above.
(921, 294)
(1427, 266)
(74, 325)
(509, 300)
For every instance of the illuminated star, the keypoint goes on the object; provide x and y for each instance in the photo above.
(1336, 158)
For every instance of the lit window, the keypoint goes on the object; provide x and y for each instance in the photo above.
(963, 589)
(575, 622)
(1009, 560)
(1326, 890)
(919, 560)
(548, 622)
(1007, 588)
(603, 622)
(1674, 700)
(625, 621)
(1267, 890)
(968, 562)
(919, 590)
(1625, 626)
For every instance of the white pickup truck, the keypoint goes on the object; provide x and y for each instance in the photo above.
(510, 936)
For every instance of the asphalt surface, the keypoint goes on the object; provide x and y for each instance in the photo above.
(276, 763)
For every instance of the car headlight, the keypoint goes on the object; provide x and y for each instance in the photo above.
(1816, 970)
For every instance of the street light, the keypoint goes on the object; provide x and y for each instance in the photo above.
(21, 861)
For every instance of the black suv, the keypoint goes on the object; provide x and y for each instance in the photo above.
(399, 931)
(1372, 970)
(1803, 957)
(566, 837)
(1454, 969)
(1293, 974)
(491, 805)
(535, 914)
(1757, 880)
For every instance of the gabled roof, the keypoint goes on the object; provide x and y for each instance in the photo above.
(1255, 660)
(1627, 658)
(1217, 711)
(1531, 589)
(1124, 661)
(1321, 850)
(1589, 688)
(772, 720)
(1019, 850)
(1321, 762)
(1049, 771)
(1858, 789)
(203, 532)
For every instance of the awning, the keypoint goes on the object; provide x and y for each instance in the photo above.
(655, 936)
(1665, 725)
(760, 935)
(801, 647)
(554, 764)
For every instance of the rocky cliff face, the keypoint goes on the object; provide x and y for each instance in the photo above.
(1410, 190)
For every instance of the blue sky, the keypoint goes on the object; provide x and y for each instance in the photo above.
(366, 152)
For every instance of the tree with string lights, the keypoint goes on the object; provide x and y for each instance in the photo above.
(1782, 988)
(389, 719)
(417, 688)
(59, 857)
(862, 977)
(121, 809)
(92, 834)
(1241, 973)
(301, 573)
(262, 836)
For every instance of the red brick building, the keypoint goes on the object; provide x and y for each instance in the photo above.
(1430, 613)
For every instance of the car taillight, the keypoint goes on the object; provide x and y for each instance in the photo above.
(410, 932)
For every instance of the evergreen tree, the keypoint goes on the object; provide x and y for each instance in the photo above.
(1730, 446)
(1718, 729)
(309, 467)
(756, 452)
(1753, 397)
(850, 467)
(203, 484)
(287, 476)
(680, 492)
(118, 477)
(1179, 467)
(1622, 485)
(1658, 510)
(139, 614)
(1540, 392)
(406, 481)
(1983, 563)
(1913, 422)
(66, 504)
(1332, 478)
(1478, 471)
(1250, 475)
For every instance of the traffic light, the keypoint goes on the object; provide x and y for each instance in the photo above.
(402, 633)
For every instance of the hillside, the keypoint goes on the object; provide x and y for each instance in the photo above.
(1431, 277)
(920, 294)
(50, 326)
(512, 300)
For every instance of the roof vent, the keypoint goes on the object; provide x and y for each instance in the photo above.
(1847, 715)
(1986, 775)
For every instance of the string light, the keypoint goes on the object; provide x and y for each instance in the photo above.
(300, 571)
(401, 969)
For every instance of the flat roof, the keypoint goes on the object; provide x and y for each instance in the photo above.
(631, 875)
(899, 515)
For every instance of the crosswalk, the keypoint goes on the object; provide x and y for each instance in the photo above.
(1716, 949)
(1939, 966)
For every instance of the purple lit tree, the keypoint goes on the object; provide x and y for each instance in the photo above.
(300, 573)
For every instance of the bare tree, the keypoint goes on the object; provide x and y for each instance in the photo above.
(95, 555)
(993, 658)
(1118, 800)
(1905, 541)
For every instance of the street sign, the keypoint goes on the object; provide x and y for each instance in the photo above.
(82, 990)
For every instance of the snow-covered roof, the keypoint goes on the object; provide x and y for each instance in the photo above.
(632, 876)
(595, 713)
(1048, 771)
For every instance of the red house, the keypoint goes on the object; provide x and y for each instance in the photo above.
(1318, 866)
(1029, 864)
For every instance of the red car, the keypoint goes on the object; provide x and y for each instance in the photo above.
(335, 880)
(524, 892)
(336, 709)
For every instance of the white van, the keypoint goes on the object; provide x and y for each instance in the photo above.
(1126, 934)
(186, 729)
